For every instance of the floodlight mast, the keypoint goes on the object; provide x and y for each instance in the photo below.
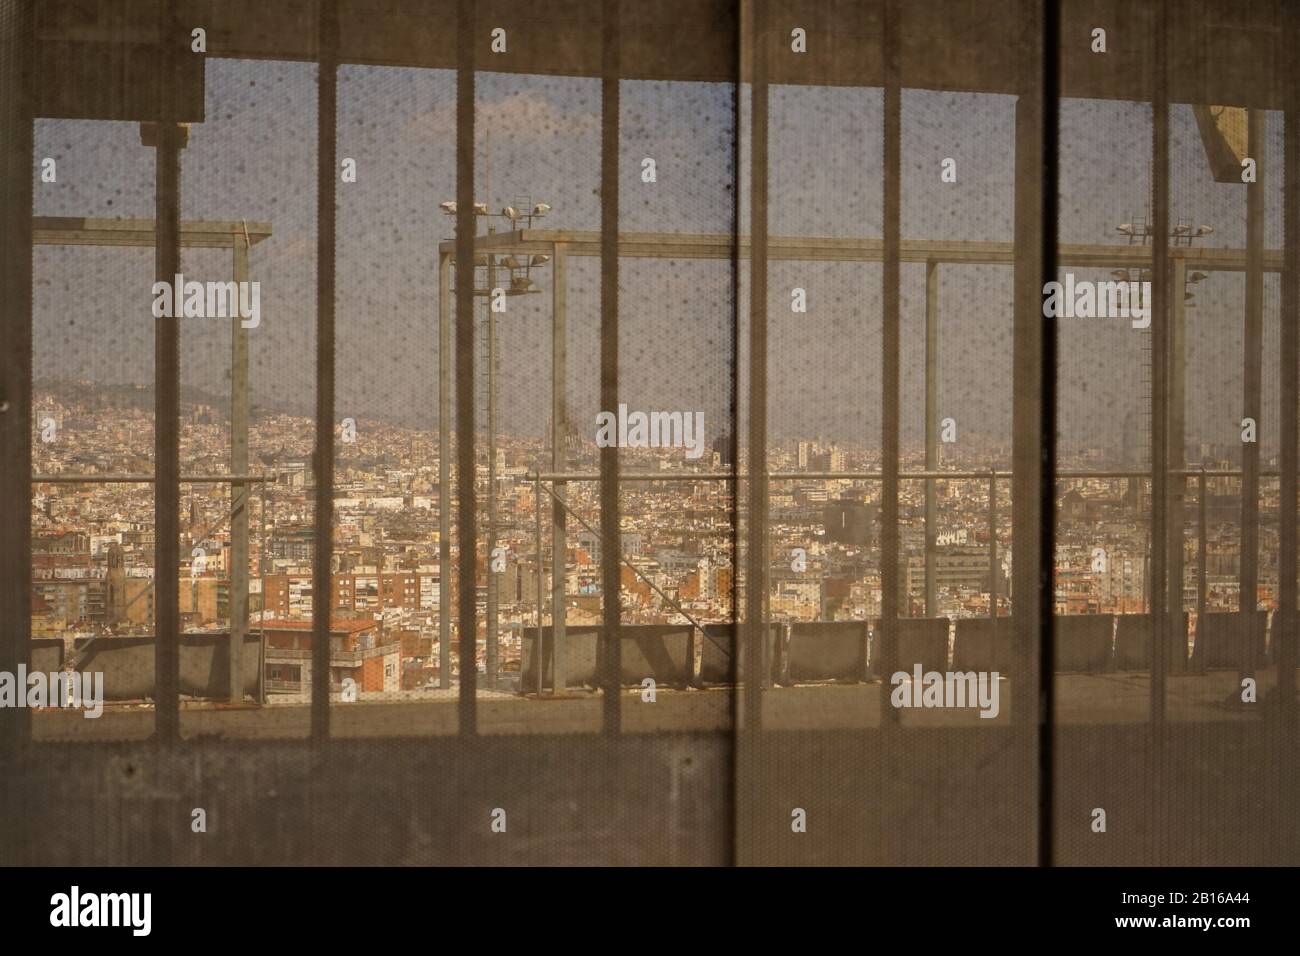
(1182, 234)
(521, 283)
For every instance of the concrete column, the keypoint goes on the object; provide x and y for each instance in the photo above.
(610, 524)
(754, 624)
(891, 279)
(16, 138)
(466, 465)
(1033, 449)
(167, 387)
(327, 178)
(238, 490)
(1032, 411)
(1161, 293)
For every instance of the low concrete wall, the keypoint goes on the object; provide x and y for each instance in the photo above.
(979, 646)
(1223, 640)
(1133, 644)
(1083, 643)
(722, 657)
(580, 660)
(827, 650)
(921, 640)
(46, 655)
(661, 651)
(127, 664)
(205, 664)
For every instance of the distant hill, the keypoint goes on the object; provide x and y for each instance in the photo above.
(105, 395)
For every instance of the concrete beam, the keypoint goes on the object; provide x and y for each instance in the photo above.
(943, 44)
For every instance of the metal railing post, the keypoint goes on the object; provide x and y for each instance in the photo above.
(541, 586)
(1201, 552)
(559, 461)
(444, 471)
(993, 552)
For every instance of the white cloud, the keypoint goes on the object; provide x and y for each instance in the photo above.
(527, 114)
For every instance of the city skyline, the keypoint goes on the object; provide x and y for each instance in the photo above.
(398, 126)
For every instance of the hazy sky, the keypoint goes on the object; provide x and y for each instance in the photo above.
(254, 158)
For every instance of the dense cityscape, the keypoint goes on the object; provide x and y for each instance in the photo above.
(93, 542)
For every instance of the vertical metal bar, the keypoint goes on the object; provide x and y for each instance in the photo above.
(538, 657)
(262, 562)
(444, 471)
(167, 253)
(466, 227)
(743, 27)
(1158, 548)
(490, 639)
(1252, 388)
(16, 155)
(1034, 397)
(756, 556)
(323, 463)
(1160, 312)
(1177, 365)
(889, 359)
(1045, 516)
(611, 546)
(931, 431)
(238, 490)
(559, 462)
(1284, 634)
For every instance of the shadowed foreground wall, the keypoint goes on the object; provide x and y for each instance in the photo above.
(642, 801)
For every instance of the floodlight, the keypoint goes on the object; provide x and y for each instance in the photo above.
(449, 207)
(541, 209)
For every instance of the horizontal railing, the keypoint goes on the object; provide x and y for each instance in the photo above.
(878, 476)
(336, 657)
(992, 476)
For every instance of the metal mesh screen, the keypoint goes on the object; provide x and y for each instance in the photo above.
(760, 432)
